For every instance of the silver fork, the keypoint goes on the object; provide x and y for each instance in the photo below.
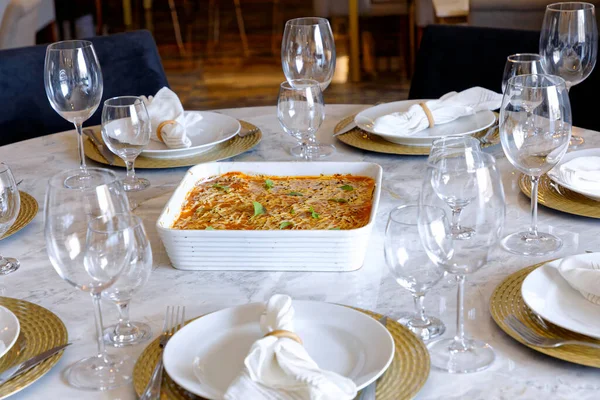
(534, 339)
(174, 320)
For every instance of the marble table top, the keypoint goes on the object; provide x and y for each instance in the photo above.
(517, 372)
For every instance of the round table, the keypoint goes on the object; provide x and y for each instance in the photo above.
(517, 373)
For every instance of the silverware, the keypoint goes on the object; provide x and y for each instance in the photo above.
(534, 339)
(174, 320)
(248, 132)
(484, 139)
(21, 181)
(106, 153)
(25, 366)
(368, 393)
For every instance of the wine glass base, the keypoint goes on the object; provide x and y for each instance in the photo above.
(526, 244)
(433, 329)
(451, 356)
(95, 373)
(8, 265)
(139, 333)
(137, 185)
(462, 233)
(313, 152)
(576, 141)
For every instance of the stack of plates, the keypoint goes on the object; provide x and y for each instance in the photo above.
(563, 180)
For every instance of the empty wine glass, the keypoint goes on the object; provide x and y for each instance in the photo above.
(485, 213)
(126, 131)
(534, 145)
(521, 64)
(569, 44)
(88, 246)
(453, 143)
(411, 267)
(10, 204)
(73, 83)
(301, 112)
(308, 50)
(133, 277)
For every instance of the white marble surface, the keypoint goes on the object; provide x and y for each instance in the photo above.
(518, 372)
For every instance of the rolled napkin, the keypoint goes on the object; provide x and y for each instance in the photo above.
(449, 107)
(582, 172)
(279, 368)
(582, 272)
(169, 122)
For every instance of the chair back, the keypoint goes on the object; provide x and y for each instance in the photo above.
(130, 66)
(19, 23)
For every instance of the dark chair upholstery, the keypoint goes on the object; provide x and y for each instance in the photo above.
(459, 57)
(130, 66)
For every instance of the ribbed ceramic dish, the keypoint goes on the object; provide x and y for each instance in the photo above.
(552, 195)
(367, 141)
(404, 378)
(41, 330)
(507, 300)
(222, 151)
(28, 211)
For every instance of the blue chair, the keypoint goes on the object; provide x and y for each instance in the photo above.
(130, 66)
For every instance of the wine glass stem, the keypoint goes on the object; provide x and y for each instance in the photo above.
(535, 180)
(130, 171)
(123, 324)
(456, 218)
(99, 327)
(79, 128)
(420, 307)
(460, 314)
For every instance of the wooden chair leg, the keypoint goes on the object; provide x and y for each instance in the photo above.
(368, 53)
(148, 15)
(240, 21)
(276, 33)
(177, 28)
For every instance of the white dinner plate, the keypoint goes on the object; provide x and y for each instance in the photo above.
(338, 338)
(210, 130)
(9, 330)
(462, 126)
(550, 296)
(555, 176)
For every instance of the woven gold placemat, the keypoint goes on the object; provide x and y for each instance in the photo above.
(28, 211)
(402, 380)
(507, 300)
(233, 147)
(367, 141)
(41, 330)
(552, 195)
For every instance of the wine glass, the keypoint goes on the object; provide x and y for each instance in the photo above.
(126, 131)
(73, 83)
(534, 145)
(453, 143)
(133, 277)
(521, 64)
(10, 204)
(409, 264)
(88, 246)
(301, 112)
(308, 50)
(485, 212)
(569, 44)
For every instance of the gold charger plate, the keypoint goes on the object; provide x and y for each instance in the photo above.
(41, 330)
(552, 195)
(367, 141)
(507, 300)
(28, 211)
(222, 151)
(403, 379)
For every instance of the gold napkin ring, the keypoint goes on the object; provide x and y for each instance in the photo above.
(281, 333)
(428, 113)
(162, 125)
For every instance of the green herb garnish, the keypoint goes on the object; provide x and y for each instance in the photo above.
(221, 187)
(285, 224)
(339, 200)
(295, 194)
(313, 213)
(347, 188)
(209, 228)
(334, 229)
(269, 184)
(258, 208)
(292, 211)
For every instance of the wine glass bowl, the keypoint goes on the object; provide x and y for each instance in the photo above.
(521, 64)
(10, 204)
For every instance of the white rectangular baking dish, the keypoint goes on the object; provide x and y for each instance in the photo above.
(281, 250)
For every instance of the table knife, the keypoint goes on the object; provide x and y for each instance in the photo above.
(368, 393)
(25, 366)
(106, 153)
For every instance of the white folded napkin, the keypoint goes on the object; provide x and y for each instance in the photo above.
(279, 368)
(582, 272)
(582, 172)
(449, 107)
(166, 106)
